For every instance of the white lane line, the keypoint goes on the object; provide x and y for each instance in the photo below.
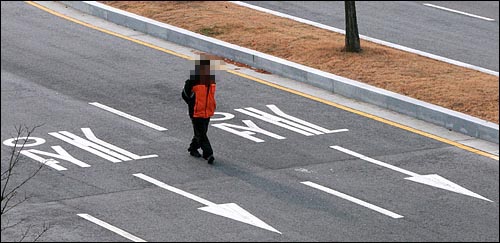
(111, 227)
(352, 199)
(374, 161)
(459, 12)
(381, 42)
(173, 189)
(430, 180)
(133, 118)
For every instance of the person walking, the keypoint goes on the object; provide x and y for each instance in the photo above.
(199, 94)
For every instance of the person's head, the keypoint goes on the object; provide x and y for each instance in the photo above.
(203, 67)
(206, 66)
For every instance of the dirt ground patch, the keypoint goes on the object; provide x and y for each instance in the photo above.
(450, 86)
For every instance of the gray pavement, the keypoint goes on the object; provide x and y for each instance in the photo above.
(453, 120)
(52, 68)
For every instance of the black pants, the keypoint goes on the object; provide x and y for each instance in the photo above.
(200, 139)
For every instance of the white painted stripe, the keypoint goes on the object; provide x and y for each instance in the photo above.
(389, 166)
(74, 140)
(338, 130)
(459, 12)
(133, 118)
(111, 227)
(48, 162)
(279, 112)
(352, 199)
(381, 42)
(175, 190)
(90, 135)
(148, 156)
(273, 120)
(85, 143)
(61, 154)
(280, 119)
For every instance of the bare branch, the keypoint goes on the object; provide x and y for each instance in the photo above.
(7, 196)
(24, 181)
(44, 229)
(14, 160)
(5, 209)
(10, 226)
(25, 233)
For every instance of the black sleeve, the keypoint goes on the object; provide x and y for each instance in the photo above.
(187, 93)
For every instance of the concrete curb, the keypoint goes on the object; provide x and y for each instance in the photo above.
(440, 116)
(374, 40)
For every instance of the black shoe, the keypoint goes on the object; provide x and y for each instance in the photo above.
(194, 153)
(211, 159)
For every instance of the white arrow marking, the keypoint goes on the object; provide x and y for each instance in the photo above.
(443, 183)
(431, 180)
(228, 210)
(111, 227)
(233, 211)
(353, 199)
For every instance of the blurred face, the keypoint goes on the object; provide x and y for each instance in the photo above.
(204, 70)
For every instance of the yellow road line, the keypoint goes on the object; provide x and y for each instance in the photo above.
(395, 124)
(404, 127)
(107, 31)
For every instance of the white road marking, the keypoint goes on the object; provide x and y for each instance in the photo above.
(430, 180)
(287, 121)
(228, 210)
(111, 227)
(90, 135)
(459, 12)
(61, 154)
(13, 142)
(279, 112)
(173, 189)
(353, 199)
(248, 131)
(84, 144)
(48, 162)
(226, 116)
(98, 147)
(278, 121)
(381, 42)
(377, 162)
(133, 118)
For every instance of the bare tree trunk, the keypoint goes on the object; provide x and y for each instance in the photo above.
(351, 28)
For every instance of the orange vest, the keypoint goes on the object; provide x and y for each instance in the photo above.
(204, 106)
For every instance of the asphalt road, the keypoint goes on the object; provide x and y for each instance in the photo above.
(51, 69)
(410, 23)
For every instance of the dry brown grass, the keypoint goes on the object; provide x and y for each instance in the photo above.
(456, 88)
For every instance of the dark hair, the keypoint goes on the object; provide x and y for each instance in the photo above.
(203, 62)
